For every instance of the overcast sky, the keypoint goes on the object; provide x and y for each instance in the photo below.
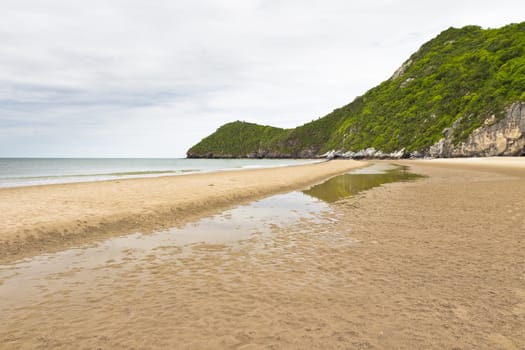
(149, 78)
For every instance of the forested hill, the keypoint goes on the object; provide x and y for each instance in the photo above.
(450, 98)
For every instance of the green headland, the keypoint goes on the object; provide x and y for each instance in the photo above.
(463, 86)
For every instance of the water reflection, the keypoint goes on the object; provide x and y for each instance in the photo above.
(350, 184)
(30, 279)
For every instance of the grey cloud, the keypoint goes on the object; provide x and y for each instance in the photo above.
(92, 78)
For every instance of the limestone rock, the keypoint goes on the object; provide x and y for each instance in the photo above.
(503, 138)
(401, 70)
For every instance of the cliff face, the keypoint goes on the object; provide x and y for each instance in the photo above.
(495, 138)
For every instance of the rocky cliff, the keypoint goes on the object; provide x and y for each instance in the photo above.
(495, 138)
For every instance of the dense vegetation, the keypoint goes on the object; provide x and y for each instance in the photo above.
(458, 79)
(237, 139)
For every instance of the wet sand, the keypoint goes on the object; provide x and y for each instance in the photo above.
(438, 263)
(43, 218)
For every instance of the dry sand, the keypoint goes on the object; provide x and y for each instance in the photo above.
(434, 264)
(42, 218)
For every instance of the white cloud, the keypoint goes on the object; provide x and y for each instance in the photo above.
(150, 78)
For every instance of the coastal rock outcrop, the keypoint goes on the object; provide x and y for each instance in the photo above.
(494, 138)
(368, 153)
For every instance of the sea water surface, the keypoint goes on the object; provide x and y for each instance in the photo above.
(16, 172)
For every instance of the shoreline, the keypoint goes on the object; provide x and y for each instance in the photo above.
(43, 218)
(104, 170)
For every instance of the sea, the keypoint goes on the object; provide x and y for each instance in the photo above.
(15, 172)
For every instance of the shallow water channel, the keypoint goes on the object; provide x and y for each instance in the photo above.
(27, 280)
(360, 180)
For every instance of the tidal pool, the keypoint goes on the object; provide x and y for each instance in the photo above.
(30, 279)
(360, 180)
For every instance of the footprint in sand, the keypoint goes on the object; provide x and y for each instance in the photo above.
(519, 309)
(502, 342)
(461, 313)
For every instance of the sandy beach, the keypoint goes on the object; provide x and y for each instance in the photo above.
(437, 263)
(43, 218)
